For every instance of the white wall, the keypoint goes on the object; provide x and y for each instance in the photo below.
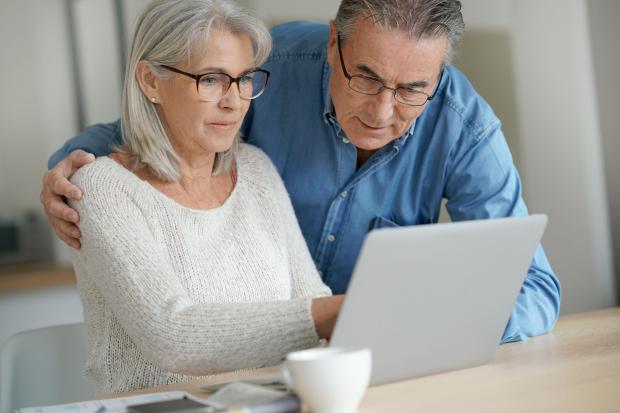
(603, 18)
(37, 107)
(565, 146)
(561, 146)
(489, 15)
(37, 111)
(35, 103)
(278, 11)
(101, 66)
(99, 60)
(131, 10)
(37, 115)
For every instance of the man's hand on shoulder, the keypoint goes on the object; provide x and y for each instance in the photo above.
(55, 192)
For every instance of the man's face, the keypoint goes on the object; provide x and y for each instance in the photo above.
(371, 122)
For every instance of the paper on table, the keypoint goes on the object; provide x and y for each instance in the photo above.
(117, 405)
(270, 380)
(250, 398)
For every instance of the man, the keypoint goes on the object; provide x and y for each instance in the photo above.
(369, 126)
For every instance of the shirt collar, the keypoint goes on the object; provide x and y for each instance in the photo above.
(329, 113)
(401, 141)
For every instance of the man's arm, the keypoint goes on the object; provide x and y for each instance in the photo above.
(97, 140)
(483, 183)
(538, 304)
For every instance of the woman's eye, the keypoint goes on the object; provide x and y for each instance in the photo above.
(209, 80)
(247, 78)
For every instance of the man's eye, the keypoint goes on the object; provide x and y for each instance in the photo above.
(407, 91)
(369, 80)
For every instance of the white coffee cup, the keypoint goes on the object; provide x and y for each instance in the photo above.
(329, 379)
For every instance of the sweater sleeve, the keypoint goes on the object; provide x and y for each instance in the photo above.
(132, 272)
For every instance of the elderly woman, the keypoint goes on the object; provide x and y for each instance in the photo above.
(192, 261)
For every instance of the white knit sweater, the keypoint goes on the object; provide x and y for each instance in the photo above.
(170, 292)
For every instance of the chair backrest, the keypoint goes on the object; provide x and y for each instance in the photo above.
(44, 367)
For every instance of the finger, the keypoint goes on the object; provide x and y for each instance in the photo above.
(58, 210)
(80, 158)
(61, 186)
(67, 229)
(72, 242)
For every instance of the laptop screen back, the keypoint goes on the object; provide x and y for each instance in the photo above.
(433, 298)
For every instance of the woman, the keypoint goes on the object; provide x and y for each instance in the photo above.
(192, 261)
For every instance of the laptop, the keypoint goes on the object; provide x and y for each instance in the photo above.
(432, 298)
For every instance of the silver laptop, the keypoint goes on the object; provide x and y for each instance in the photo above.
(433, 298)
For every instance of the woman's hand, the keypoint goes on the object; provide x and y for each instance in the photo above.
(325, 312)
(56, 189)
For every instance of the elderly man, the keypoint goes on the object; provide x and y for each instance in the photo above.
(369, 126)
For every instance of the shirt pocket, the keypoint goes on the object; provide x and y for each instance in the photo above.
(381, 222)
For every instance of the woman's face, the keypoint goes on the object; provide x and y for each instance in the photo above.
(194, 125)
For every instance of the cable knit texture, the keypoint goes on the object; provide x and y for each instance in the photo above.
(171, 293)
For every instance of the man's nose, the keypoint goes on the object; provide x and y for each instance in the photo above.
(382, 106)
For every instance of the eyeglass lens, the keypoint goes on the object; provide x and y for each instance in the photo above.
(370, 86)
(214, 86)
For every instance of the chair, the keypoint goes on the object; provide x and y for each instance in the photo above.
(44, 367)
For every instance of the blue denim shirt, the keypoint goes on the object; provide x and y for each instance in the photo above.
(455, 150)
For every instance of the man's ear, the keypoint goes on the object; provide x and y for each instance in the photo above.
(149, 83)
(332, 44)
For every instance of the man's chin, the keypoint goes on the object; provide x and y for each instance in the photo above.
(370, 143)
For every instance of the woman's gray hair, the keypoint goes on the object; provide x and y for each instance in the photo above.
(420, 19)
(165, 34)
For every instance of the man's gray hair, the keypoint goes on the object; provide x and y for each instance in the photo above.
(420, 19)
(165, 34)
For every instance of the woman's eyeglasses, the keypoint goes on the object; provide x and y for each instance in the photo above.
(212, 87)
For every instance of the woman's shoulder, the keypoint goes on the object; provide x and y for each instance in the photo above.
(250, 152)
(255, 160)
(105, 178)
(102, 171)
(260, 174)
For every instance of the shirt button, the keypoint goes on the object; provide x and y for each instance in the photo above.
(345, 140)
(331, 238)
(344, 194)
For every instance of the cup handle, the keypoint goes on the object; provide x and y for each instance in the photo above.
(286, 377)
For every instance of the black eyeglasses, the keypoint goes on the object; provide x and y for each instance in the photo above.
(212, 87)
(371, 86)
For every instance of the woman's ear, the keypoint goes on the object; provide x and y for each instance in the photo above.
(149, 83)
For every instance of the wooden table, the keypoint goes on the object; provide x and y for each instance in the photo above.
(33, 276)
(575, 368)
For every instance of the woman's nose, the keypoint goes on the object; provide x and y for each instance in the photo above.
(232, 98)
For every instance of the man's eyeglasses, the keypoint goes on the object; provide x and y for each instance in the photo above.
(371, 86)
(212, 87)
